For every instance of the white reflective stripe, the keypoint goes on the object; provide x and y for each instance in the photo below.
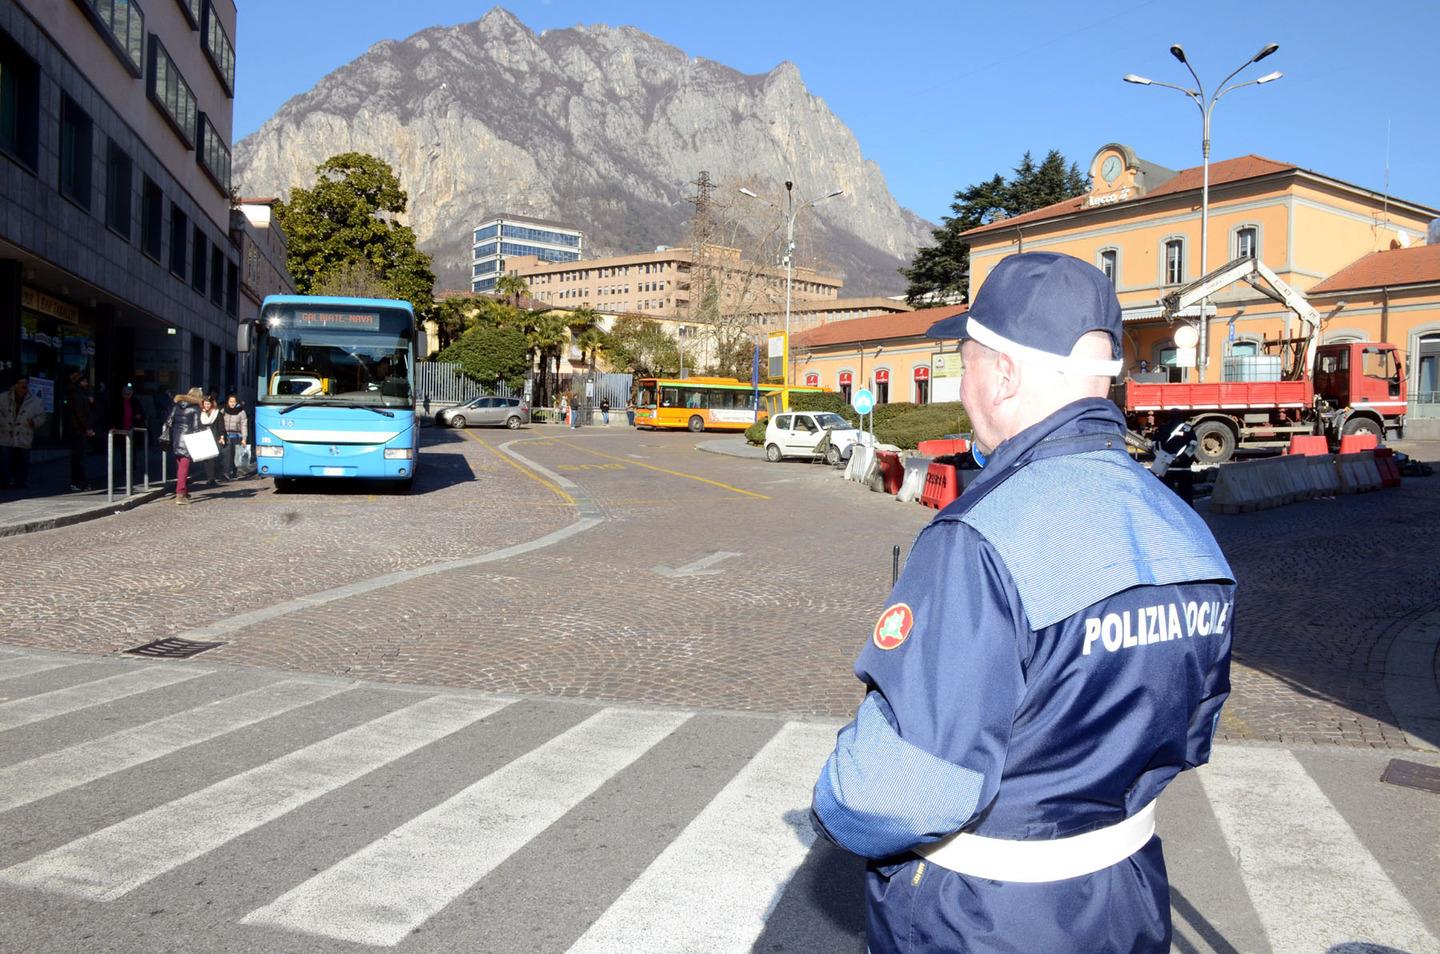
(1035, 862)
(1073, 365)
(14, 667)
(87, 695)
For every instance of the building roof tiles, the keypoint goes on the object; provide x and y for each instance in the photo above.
(911, 324)
(1393, 267)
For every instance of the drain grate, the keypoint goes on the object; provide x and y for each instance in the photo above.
(1412, 775)
(171, 649)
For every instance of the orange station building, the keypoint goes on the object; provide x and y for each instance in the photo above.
(1358, 256)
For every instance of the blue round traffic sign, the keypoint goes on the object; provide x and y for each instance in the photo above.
(863, 401)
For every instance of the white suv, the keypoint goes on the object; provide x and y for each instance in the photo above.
(800, 434)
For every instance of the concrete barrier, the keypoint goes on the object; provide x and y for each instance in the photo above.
(1296, 477)
(1358, 473)
(914, 480)
(1323, 478)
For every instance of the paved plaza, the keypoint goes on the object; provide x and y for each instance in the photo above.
(625, 566)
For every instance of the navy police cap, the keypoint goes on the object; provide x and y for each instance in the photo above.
(1036, 306)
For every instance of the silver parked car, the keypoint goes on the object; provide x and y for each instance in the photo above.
(508, 412)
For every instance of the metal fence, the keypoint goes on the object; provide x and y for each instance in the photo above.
(444, 383)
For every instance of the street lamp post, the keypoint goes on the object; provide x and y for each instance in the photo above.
(1207, 107)
(791, 211)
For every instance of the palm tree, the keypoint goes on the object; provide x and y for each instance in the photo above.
(547, 337)
(512, 287)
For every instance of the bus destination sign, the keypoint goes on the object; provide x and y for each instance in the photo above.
(348, 320)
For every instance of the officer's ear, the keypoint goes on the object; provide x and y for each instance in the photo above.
(1006, 378)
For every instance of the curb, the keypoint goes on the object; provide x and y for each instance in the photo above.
(730, 448)
(1411, 687)
(80, 516)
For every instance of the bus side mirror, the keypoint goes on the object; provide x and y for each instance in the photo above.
(245, 337)
(422, 345)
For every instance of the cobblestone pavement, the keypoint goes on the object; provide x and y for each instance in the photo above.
(708, 581)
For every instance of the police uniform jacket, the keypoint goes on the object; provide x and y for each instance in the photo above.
(1055, 652)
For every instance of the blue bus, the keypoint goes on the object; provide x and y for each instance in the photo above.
(334, 387)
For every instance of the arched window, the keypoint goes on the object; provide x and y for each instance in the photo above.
(1245, 242)
(846, 382)
(882, 385)
(1108, 261)
(922, 384)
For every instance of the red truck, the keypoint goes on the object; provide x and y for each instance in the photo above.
(1335, 389)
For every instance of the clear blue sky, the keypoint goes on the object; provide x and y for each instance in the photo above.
(943, 94)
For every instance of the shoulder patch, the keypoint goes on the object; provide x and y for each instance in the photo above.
(893, 626)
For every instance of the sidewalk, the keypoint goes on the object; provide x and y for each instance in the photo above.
(49, 502)
(733, 447)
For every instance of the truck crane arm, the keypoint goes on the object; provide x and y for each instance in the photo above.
(1254, 272)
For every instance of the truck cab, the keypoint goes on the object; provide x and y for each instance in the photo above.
(1366, 380)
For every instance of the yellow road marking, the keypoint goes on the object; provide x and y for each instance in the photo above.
(672, 473)
(569, 500)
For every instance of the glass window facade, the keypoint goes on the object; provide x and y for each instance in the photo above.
(19, 103)
(218, 47)
(191, 9)
(488, 232)
(197, 263)
(541, 235)
(122, 23)
(152, 210)
(179, 229)
(76, 134)
(119, 173)
(213, 155)
(169, 91)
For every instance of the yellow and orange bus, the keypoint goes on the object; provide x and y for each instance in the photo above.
(705, 404)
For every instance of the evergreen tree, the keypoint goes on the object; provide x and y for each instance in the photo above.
(943, 269)
(349, 219)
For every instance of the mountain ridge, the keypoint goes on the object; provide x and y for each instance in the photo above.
(599, 126)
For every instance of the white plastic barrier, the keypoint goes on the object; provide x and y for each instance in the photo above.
(1324, 479)
(914, 480)
(1358, 472)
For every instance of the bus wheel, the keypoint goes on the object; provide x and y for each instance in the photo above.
(457, 421)
(1214, 443)
(513, 422)
(772, 453)
(697, 423)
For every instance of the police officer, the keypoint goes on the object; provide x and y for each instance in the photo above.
(1055, 652)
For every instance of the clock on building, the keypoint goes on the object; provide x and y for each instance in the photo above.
(1111, 169)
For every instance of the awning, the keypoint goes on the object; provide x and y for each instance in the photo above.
(1151, 312)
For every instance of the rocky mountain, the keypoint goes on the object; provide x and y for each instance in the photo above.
(600, 127)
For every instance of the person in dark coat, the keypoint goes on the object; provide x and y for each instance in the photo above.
(212, 420)
(184, 419)
(79, 408)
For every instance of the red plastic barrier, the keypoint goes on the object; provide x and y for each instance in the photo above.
(892, 472)
(1310, 445)
(942, 486)
(1389, 469)
(943, 448)
(1355, 443)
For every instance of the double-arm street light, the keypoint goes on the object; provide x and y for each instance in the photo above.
(791, 210)
(1207, 106)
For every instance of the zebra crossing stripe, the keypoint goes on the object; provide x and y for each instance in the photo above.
(714, 886)
(13, 667)
(380, 894)
(114, 861)
(48, 705)
(1310, 879)
(54, 772)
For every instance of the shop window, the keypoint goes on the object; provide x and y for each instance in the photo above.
(19, 103)
(119, 171)
(198, 256)
(122, 24)
(179, 236)
(152, 211)
(76, 135)
(217, 275)
(1174, 262)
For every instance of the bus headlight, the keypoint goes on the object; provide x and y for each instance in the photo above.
(399, 453)
(264, 451)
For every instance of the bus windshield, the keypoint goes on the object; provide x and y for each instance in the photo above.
(335, 355)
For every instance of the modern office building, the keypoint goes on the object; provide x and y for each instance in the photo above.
(115, 252)
(262, 250)
(503, 237)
